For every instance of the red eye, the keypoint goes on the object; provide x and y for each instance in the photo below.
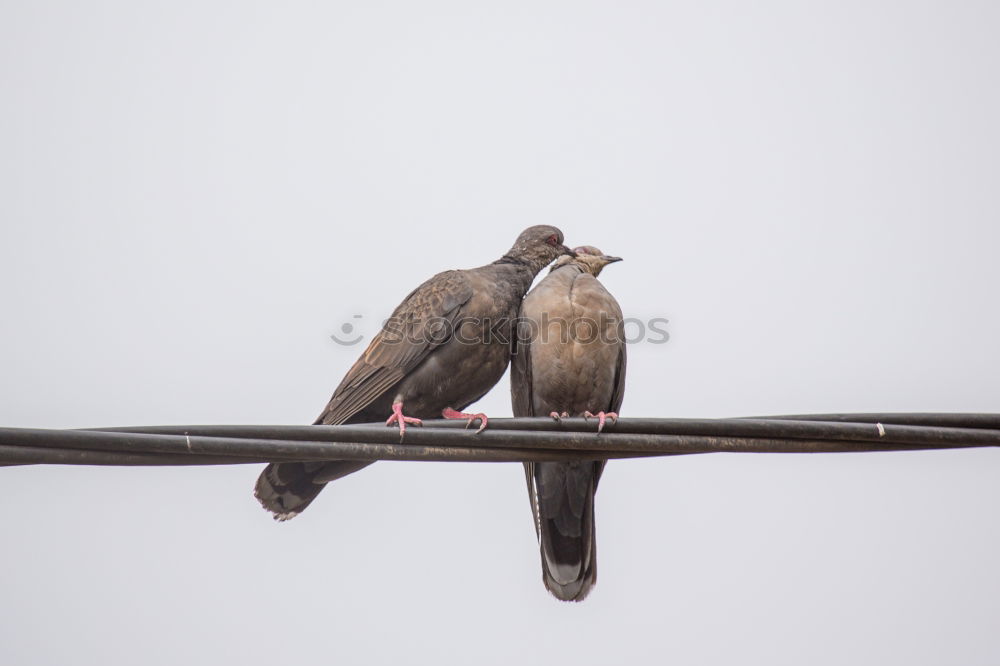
(552, 240)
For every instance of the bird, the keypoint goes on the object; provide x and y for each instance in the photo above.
(442, 349)
(569, 361)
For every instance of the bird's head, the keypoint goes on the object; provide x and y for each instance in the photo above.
(537, 246)
(589, 258)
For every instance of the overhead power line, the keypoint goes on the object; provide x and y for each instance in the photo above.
(506, 440)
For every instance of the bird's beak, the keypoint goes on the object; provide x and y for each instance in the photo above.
(610, 260)
(566, 250)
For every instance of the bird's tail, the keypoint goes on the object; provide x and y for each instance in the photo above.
(286, 489)
(562, 497)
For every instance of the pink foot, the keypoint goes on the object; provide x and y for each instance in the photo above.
(601, 416)
(557, 416)
(450, 413)
(397, 417)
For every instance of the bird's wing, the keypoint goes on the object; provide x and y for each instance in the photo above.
(520, 396)
(546, 305)
(619, 393)
(520, 370)
(422, 322)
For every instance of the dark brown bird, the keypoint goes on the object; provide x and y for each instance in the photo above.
(442, 349)
(570, 360)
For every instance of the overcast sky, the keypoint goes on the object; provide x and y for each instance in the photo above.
(195, 195)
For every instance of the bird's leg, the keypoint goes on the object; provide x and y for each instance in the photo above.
(397, 417)
(450, 413)
(601, 416)
(559, 417)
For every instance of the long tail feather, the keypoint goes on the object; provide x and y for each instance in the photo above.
(286, 489)
(562, 497)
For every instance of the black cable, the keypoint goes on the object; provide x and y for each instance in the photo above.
(506, 440)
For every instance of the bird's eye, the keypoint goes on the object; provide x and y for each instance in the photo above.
(552, 240)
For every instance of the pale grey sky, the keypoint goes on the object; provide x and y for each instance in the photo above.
(194, 196)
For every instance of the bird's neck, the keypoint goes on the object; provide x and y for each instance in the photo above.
(519, 269)
(569, 265)
(533, 265)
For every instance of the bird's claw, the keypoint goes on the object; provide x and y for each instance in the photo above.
(601, 417)
(558, 417)
(398, 417)
(450, 413)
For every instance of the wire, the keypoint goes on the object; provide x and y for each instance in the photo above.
(506, 440)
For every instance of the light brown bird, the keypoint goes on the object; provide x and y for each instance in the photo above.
(442, 349)
(570, 360)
